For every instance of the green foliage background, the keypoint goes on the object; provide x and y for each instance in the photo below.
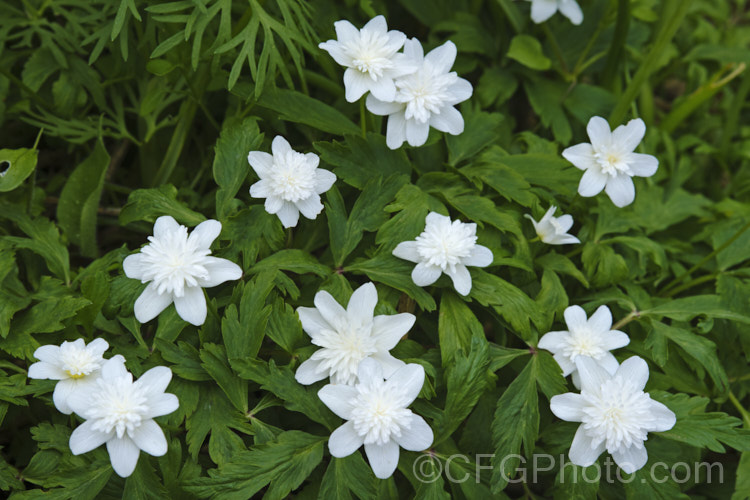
(150, 107)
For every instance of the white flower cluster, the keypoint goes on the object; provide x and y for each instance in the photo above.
(115, 409)
(369, 388)
(416, 91)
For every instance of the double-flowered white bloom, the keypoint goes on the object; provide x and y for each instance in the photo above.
(377, 415)
(592, 337)
(447, 247)
(371, 58)
(424, 98)
(609, 162)
(347, 336)
(554, 230)
(177, 267)
(541, 10)
(615, 414)
(291, 182)
(120, 413)
(74, 364)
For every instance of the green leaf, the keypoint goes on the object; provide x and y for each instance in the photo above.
(528, 51)
(602, 265)
(216, 415)
(79, 200)
(552, 172)
(252, 232)
(284, 326)
(559, 263)
(293, 260)
(15, 166)
(687, 308)
(348, 476)
(149, 204)
(480, 130)
(214, 361)
(230, 166)
(43, 239)
(243, 329)
(320, 116)
(457, 324)
(144, 484)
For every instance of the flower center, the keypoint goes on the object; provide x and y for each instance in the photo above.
(424, 92)
(293, 178)
(173, 262)
(343, 348)
(118, 406)
(370, 53)
(78, 363)
(612, 162)
(583, 342)
(378, 413)
(445, 244)
(617, 414)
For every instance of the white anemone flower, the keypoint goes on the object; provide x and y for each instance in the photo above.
(347, 336)
(425, 98)
(177, 267)
(371, 58)
(554, 230)
(377, 415)
(447, 247)
(541, 10)
(291, 182)
(609, 162)
(74, 364)
(592, 337)
(615, 414)
(120, 413)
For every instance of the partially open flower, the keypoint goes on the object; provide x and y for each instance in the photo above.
(554, 230)
(541, 10)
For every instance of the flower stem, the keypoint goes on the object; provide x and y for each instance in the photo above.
(556, 49)
(627, 319)
(363, 118)
(740, 408)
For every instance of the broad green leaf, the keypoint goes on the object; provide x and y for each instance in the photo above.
(346, 478)
(687, 308)
(293, 260)
(457, 324)
(480, 130)
(15, 166)
(298, 108)
(214, 361)
(528, 51)
(231, 168)
(149, 204)
(510, 302)
(43, 239)
(243, 328)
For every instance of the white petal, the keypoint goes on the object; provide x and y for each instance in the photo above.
(383, 88)
(609, 362)
(575, 318)
(563, 239)
(328, 307)
(280, 146)
(261, 162)
(260, 189)
(621, 190)
(345, 31)
(480, 256)
(568, 406)
(388, 363)
(664, 418)
(417, 437)
(362, 304)
(339, 398)
(150, 438)
(162, 404)
(449, 120)
(123, 454)
(369, 369)
(219, 271)
(425, 274)
(114, 368)
(634, 369)
(541, 10)
(614, 339)
(630, 459)
(164, 225)
(459, 91)
(383, 458)
(642, 165)
(396, 130)
(582, 452)
(592, 374)
(44, 370)
(409, 380)
(312, 160)
(382, 108)
(132, 265)
(344, 441)
(312, 321)
(407, 250)
(324, 180)
(599, 132)
(553, 341)
(310, 207)
(273, 204)
(61, 395)
(414, 51)
(356, 84)
(48, 353)
(388, 330)
(565, 222)
(443, 57)
(155, 380)
(376, 24)
(461, 278)
(581, 156)
(566, 365)
(288, 214)
(84, 438)
(337, 52)
(205, 233)
(417, 132)
(192, 305)
(97, 346)
(576, 378)
(592, 182)
(150, 303)
(601, 320)
(309, 372)
(571, 10)
(627, 137)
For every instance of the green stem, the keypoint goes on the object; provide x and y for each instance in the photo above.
(579, 67)
(627, 319)
(617, 47)
(691, 284)
(730, 126)
(363, 118)
(740, 408)
(556, 49)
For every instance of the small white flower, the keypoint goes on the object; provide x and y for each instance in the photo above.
(74, 364)
(377, 415)
(120, 413)
(554, 230)
(371, 58)
(541, 10)
(424, 98)
(609, 161)
(447, 247)
(347, 336)
(615, 414)
(291, 182)
(592, 337)
(177, 267)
